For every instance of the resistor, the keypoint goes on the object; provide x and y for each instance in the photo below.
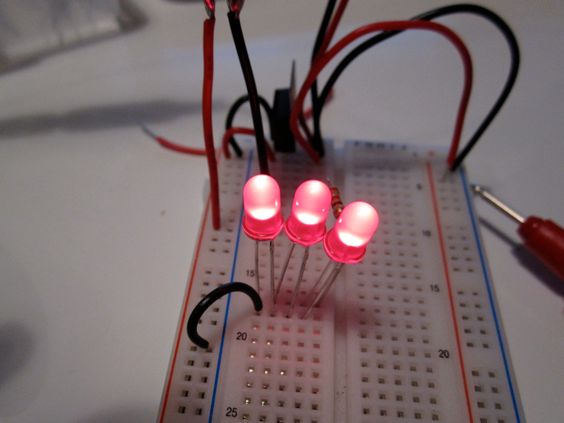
(336, 202)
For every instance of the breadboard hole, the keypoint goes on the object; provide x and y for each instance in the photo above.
(381, 347)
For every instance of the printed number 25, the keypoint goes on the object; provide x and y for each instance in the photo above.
(231, 412)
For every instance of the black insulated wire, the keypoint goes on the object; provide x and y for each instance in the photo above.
(240, 46)
(316, 141)
(233, 111)
(212, 297)
(428, 16)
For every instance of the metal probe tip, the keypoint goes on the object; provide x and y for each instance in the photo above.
(497, 203)
(478, 189)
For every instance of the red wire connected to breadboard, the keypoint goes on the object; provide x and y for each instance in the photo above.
(324, 59)
(237, 130)
(299, 115)
(207, 94)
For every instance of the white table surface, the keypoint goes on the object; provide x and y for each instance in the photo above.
(98, 224)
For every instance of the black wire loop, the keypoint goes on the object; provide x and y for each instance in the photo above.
(233, 111)
(212, 297)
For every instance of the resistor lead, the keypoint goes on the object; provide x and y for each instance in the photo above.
(346, 243)
(305, 226)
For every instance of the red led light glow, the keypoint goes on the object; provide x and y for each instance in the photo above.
(310, 208)
(261, 200)
(346, 241)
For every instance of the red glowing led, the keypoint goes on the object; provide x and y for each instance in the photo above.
(311, 206)
(346, 241)
(261, 201)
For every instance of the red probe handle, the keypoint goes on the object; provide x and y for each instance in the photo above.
(545, 239)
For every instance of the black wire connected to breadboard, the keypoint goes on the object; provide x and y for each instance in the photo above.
(316, 141)
(278, 118)
(428, 16)
(212, 297)
(288, 314)
(244, 60)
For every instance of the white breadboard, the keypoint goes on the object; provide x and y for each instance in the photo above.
(412, 334)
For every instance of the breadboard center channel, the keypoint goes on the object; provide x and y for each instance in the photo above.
(411, 334)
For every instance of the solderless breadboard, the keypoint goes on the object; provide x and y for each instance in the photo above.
(411, 334)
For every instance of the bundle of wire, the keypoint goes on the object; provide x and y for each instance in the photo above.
(319, 102)
(324, 59)
(324, 36)
(207, 96)
(322, 56)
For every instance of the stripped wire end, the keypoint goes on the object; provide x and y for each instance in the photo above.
(210, 8)
(148, 132)
(235, 6)
(169, 145)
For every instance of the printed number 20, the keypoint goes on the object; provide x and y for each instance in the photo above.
(444, 354)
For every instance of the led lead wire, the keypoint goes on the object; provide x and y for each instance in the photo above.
(325, 287)
(284, 268)
(262, 220)
(306, 227)
(345, 243)
(299, 281)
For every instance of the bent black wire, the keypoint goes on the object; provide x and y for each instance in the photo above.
(316, 142)
(212, 297)
(233, 111)
(240, 46)
(428, 16)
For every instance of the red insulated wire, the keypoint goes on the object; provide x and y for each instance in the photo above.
(169, 145)
(305, 128)
(207, 90)
(332, 28)
(237, 130)
(210, 8)
(323, 60)
(308, 113)
(179, 148)
(234, 130)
